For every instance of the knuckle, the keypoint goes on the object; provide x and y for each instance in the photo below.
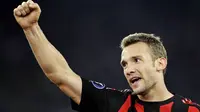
(37, 4)
(24, 4)
(20, 7)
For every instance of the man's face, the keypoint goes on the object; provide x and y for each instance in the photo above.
(139, 69)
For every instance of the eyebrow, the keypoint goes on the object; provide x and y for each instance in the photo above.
(132, 57)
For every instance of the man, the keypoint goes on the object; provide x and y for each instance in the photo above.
(144, 61)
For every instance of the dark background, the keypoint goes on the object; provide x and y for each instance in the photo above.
(88, 34)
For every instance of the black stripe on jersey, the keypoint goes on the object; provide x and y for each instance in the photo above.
(179, 106)
(152, 108)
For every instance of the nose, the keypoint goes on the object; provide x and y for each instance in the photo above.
(129, 70)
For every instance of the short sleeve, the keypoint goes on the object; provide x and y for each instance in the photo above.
(97, 97)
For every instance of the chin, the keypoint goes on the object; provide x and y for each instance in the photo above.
(143, 89)
(139, 90)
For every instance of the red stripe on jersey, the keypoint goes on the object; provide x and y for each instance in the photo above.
(139, 107)
(166, 107)
(193, 109)
(126, 105)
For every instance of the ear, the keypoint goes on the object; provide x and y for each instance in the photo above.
(161, 64)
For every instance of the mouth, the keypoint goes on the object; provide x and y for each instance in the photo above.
(134, 80)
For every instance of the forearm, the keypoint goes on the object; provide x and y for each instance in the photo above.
(49, 59)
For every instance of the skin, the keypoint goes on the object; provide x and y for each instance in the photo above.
(48, 57)
(56, 68)
(136, 60)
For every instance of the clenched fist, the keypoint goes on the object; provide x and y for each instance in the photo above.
(27, 14)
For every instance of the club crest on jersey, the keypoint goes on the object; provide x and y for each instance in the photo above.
(98, 85)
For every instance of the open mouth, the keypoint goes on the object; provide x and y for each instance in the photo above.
(134, 80)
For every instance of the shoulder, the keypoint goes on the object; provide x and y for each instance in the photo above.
(118, 92)
(187, 102)
(113, 98)
(101, 87)
(125, 91)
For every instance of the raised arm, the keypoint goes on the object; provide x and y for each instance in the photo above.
(49, 58)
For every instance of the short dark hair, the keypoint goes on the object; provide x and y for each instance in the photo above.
(154, 43)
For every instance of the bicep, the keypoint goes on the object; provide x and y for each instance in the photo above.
(71, 85)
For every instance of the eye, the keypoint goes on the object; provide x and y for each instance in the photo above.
(123, 64)
(136, 60)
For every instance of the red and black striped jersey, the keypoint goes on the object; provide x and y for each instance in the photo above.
(97, 97)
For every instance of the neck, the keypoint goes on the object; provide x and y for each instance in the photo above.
(158, 92)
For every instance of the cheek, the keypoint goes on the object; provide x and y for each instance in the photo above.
(125, 75)
(148, 73)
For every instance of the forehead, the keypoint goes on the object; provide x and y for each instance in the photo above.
(137, 49)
